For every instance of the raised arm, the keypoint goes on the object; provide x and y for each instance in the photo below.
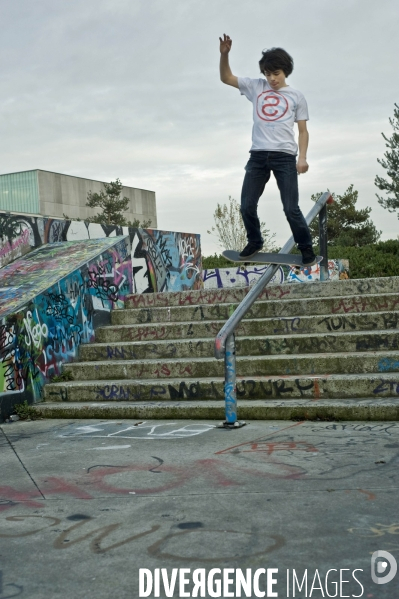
(225, 72)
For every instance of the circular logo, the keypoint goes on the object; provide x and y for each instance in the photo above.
(379, 567)
(271, 106)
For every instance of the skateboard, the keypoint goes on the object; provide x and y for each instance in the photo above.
(262, 258)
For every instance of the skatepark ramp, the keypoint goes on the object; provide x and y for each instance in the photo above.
(51, 302)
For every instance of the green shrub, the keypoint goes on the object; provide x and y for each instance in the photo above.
(375, 260)
(215, 261)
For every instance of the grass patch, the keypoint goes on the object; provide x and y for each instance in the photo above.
(60, 378)
(25, 411)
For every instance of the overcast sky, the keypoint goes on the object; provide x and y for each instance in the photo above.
(131, 89)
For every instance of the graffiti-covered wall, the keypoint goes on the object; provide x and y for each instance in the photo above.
(165, 261)
(161, 260)
(241, 276)
(51, 301)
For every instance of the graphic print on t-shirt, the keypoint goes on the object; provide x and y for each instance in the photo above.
(271, 106)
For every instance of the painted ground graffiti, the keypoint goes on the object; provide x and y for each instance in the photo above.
(161, 260)
(285, 453)
(139, 430)
(161, 544)
(240, 276)
(60, 301)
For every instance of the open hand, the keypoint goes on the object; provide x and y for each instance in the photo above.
(225, 44)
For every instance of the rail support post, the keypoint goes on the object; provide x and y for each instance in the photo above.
(224, 342)
(324, 274)
(230, 385)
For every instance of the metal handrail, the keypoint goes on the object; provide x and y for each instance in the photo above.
(225, 342)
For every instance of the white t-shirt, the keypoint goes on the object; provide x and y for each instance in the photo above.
(275, 113)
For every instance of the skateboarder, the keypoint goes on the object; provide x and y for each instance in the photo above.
(276, 107)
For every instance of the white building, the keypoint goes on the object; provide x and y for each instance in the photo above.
(53, 194)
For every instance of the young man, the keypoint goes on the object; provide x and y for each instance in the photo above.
(276, 107)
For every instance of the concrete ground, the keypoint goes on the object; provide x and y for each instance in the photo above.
(85, 504)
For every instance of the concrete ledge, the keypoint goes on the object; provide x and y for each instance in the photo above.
(361, 409)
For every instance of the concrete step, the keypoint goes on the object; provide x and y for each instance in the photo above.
(256, 326)
(290, 290)
(320, 306)
(334, 386)
(378, 340)
(277, 365)
(144, 350)
(294, 409)
(320, 343)
(319, 350)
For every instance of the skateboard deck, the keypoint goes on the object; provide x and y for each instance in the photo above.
(264, 258)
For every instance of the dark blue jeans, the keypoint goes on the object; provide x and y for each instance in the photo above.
(258, 170)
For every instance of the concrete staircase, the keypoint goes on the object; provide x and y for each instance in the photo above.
(324, 350)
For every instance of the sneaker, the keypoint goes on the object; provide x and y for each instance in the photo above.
(308, 256)
(250, 250)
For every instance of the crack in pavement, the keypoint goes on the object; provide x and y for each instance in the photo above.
(20, 461)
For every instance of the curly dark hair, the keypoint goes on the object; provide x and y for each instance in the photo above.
(276, 59)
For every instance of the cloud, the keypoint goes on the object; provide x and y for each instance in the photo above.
(130, 89)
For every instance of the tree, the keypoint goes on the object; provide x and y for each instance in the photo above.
(391, 165)
(136, 223)
(110, 202)
(112, 206)
(346, 226)
(230, 230)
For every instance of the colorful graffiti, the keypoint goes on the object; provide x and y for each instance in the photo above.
(241, 276)
(161, 260)
(25, 278)
(40, 329)
(165, 261)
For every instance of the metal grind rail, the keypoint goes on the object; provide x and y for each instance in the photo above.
(225, 339)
